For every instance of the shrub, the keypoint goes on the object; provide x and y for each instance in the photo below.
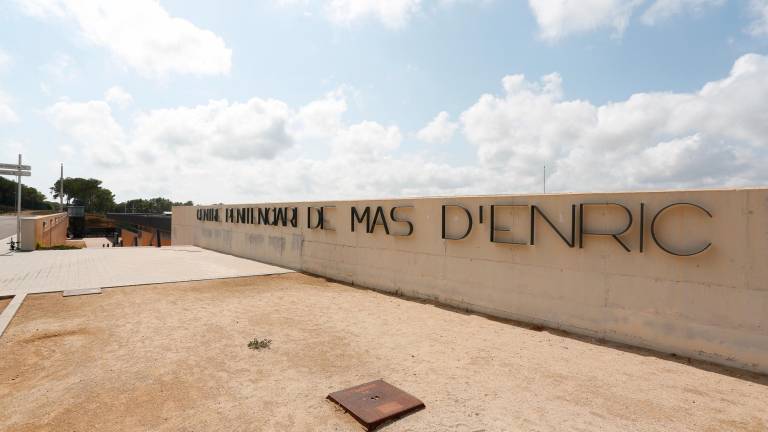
(257, 344)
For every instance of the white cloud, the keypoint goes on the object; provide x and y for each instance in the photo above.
(367, 139)
(663, 9)
(92, 126)
(262, 150)
(440, 130)
(256, 129)
(558, 18)
(759, 11)
(717, 136)
(118, 96)
(142, 35)
(321, 118)
(393, 13)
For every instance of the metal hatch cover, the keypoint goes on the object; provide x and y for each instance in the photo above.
(376, 403)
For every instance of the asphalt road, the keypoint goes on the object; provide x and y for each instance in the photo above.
(7, 226)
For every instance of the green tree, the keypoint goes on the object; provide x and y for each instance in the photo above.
(31, 198)
(86, 192)
(102, 201)
(152, 205)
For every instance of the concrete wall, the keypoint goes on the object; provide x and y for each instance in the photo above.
(712, 306)
(48, 230)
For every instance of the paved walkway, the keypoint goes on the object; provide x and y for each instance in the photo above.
(23, 273)
(49, 271)
(96, 242)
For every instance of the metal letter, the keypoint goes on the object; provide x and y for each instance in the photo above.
(378, 221)
(536, 209)
(656, 240)
(469, 219)
(394, 218)
(366, 216)
(493, 223)
(614, 235)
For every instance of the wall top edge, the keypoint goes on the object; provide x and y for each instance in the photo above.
(44, 216)
(531, 195)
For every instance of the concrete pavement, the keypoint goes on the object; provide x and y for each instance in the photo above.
(23, 273)
(59, 270)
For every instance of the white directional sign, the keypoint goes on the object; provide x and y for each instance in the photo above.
(15, 173)
(19, 171)
(15, 167)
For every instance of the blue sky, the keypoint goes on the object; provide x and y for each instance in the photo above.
(302, 99)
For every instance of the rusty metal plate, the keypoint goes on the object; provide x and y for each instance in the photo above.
(376, 403)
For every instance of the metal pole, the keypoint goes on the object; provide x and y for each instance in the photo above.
(545, 179)
(18, 205)
(61, 189)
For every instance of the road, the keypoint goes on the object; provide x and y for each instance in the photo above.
(7, 226)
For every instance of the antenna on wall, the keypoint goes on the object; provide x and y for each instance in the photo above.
(545, 179)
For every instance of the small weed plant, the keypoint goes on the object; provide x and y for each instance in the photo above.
(257, 344)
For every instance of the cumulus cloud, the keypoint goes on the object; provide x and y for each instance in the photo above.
(266, 150)
(716, 136)
(663, 9)
(440, 130)
(92, 126)
(759, 11)
(256, 129)
(141, 34)
(558, 18)
(393, 13)
(367, 139)
(118, 96)
(321, 118)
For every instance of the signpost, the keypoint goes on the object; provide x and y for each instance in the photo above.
(17, 170)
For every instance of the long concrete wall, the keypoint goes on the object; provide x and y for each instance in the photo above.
(711, 305)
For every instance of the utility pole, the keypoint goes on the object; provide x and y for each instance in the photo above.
(61, 188)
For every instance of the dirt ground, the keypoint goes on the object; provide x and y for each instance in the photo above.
(174, 357)
(4, 302)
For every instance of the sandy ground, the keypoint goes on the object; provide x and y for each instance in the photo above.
(4, 302)
(174, 358)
